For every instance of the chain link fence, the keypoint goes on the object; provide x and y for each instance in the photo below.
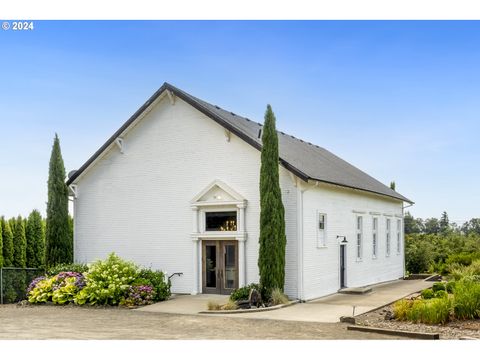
(14, 283)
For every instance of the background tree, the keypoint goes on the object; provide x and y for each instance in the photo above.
(392, 185)
(19, 244)
(35, 240)
(432, 226)
(471, 227)
(271, 259)
(7, 236)
(59, 244)
(444, 223)
(412, 225)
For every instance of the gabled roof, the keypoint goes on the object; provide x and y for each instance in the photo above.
(305, 160)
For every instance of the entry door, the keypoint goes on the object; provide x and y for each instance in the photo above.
(219, 266)
(342, 266)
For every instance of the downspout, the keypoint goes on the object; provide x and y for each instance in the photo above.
(403, 235)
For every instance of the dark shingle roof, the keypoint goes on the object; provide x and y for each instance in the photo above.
(307, 161)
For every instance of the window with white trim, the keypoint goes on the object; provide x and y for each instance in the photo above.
(321, 229)
(399, 236)
(387, 237)
(359, 236)
(374, 237)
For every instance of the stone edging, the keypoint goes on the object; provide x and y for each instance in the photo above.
(411, 334)
(241, 311)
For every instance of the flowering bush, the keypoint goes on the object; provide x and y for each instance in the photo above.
(60, 288)
(107, 281)
(159, 282)
(138, 295)
(42, 291)
(110, 282)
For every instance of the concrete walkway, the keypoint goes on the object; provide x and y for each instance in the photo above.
(185, 304)
(326, 309)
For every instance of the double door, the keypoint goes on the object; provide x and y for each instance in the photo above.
(219, 266)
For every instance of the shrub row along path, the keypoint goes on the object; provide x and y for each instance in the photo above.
(74, 322)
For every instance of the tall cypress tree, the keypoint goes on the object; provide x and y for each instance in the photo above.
(19, 244)
(271, 258)
(1, 246)
(59, 244)
(35, 240)
(7, 243)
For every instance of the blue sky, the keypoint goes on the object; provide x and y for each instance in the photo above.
(398, 99)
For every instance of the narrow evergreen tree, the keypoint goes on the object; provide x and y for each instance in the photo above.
(7, 243)
(444, 222)
(1, 247)
(59, 244)
(19, 244)
(35, 240)
(392, 185)
(271, 258)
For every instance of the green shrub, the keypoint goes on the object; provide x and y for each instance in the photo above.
(243, 292)
(427, 294)
(78, 268)
(418, 254)
(438, 286)
(463, 258)
(278, 297)
(400, 309)
(107, 281)
(441, 294)
(450, 286)
(160, 283)
(466, 303)
(433, 311)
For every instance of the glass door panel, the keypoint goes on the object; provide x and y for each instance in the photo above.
(230, 266)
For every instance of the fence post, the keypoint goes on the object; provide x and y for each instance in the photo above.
(1, 285)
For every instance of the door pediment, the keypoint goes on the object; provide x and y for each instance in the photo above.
(217, 192)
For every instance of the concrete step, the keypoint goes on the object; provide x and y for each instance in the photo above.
(356, 290)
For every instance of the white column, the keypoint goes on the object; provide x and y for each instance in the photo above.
(241, 262)
(195, 242)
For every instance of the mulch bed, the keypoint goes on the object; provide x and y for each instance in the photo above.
(452, 330)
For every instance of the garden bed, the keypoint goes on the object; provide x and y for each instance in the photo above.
(455, 329)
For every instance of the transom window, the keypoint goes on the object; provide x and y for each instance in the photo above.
(374, 236)
(359, 237)
(221, 221)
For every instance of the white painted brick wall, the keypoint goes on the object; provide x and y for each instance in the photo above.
(322, 265)
(137, 204)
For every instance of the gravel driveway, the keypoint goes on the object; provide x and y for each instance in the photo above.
(72, 322)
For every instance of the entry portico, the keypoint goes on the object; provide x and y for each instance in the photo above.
(218, 217)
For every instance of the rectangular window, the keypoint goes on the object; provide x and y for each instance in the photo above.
(374, 237)
(321, 230)
(387, 237)
(221, 221)
(399, 236)
(359, 237)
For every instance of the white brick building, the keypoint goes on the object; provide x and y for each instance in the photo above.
(177, 188)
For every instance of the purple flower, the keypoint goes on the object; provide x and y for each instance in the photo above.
(34, 283)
